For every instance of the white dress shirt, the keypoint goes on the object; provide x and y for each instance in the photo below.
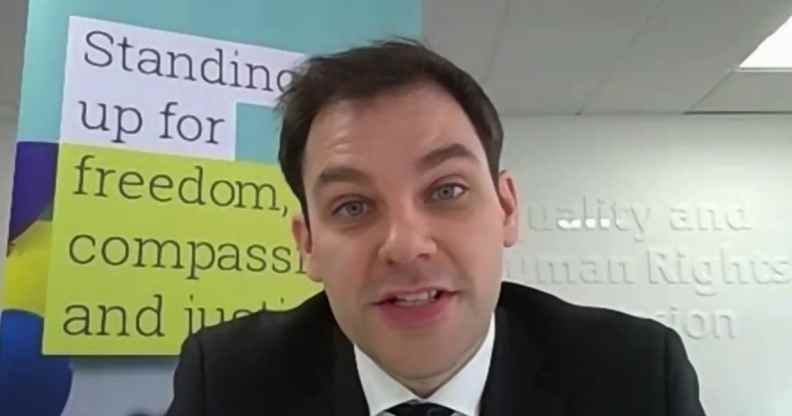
(462, 393)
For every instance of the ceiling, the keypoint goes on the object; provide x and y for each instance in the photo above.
(538, 57)
(613, 56)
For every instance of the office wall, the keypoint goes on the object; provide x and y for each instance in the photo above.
(682, 219)
(7, 142)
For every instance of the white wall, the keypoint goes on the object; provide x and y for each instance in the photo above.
(735, 171)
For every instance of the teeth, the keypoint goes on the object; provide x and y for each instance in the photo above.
(414, 297)
(417, 298)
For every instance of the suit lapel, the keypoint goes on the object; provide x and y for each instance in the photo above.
(347, 393)
(514, 383)
(338, 391)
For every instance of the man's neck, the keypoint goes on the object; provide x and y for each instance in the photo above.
(459, 388)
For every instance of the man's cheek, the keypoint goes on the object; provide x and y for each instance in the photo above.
(341, 266)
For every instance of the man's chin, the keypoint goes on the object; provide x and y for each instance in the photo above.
(418, 365)
(424, 379)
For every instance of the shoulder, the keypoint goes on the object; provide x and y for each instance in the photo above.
(267, 341)
(272, 324)
(602, 357)
(225, 369)
(595, 329)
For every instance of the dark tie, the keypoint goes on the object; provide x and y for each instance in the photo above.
(420, 409)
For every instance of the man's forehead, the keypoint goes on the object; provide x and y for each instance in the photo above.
(415, 120)
(419, 101)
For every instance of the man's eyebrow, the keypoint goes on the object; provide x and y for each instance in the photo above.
(340, 174)
(440, 155)
(349, 174)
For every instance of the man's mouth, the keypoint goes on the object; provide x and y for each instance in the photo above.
(415, 308)
(416, 298)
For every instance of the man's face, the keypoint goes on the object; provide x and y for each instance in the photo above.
(406, 227)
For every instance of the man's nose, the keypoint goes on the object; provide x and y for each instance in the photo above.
(408, 238)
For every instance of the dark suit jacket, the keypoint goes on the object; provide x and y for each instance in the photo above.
(550, 358)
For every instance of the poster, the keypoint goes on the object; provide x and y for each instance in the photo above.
(147, 201)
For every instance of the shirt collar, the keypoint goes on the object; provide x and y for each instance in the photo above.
(462, 393)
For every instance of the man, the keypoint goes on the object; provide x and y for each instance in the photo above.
(393, 153)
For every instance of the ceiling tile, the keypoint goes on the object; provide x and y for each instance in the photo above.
(554, 53)
(685, 50)
(750, 92)
(466, 31)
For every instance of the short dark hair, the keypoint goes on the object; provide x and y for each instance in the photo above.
(365, 72)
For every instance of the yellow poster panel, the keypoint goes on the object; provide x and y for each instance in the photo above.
(148, 248)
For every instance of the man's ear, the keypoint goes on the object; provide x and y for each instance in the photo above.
(302, 236)
(507, 196)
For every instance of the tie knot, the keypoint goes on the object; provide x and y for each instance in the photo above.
(420, 409)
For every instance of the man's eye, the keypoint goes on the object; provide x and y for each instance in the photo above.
(351, 209)
(448, 192)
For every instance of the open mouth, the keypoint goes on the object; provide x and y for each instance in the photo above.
(415, 310)
(416, 299)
